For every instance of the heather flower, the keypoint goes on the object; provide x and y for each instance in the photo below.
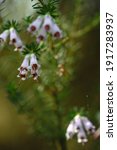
(41, 36)
(42, 25)
(56, 32)
(50, 26)
(34, 66)
(15, 40)
(89, 127)
(23, 70)
(70, 130)
(47, 22)
(35, 25)
(81, 136)
(29, 65)
(3, 36)
(81, 126)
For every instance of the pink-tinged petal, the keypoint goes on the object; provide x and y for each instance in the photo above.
(23, 70)
(56, 32)
(15, 39)
(47, 23)
(3, 36)
(89, 127)
(35, 25)
(35, 67)
(42, 35)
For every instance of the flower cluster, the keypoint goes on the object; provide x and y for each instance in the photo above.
(14, 39)
(81, 126)
(43, 25)
(29, 64)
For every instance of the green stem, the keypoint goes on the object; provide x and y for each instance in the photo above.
(61, 138)
(62, 142)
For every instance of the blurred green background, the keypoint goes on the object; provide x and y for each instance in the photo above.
(81, 21)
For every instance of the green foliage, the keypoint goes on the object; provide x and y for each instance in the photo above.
(34, 48)
(13, 93)
(10, 24)
(44, 7)
(28, 20)
(75, 111)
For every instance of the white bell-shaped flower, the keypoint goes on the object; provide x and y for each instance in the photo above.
(41, 36)
(80, 125)
(56, 32)
(19, 46)
(89, 127)
(47, 22)
(15, 40)
(35, 25)
(35, 67)
(81, 136)
(3, 36)
(23, 70)
(70, 130)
